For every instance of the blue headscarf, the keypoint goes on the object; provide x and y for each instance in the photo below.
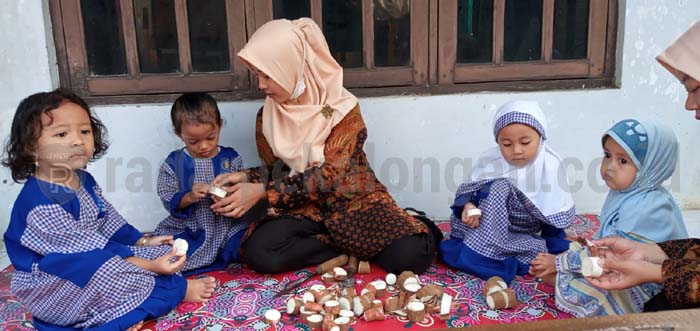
(645, 209)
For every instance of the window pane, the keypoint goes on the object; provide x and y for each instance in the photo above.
(474, 31)
(570, 29)
(156, 34)
(392, 33)
(208, 35)
(523, 30)
(342, 26)
(291, 9)
(104, 40)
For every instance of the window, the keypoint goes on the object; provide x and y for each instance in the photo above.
(512, 40)
(152, 50)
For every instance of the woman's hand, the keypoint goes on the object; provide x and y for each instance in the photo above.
(158, 241)
(470, 221)
(230, 179)
(625, 249)
(241, 198)
(624, 274)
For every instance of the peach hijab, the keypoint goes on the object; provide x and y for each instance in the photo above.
(292, 52)
(683, 56)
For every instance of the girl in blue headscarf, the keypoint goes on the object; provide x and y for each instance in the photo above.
(639, 157)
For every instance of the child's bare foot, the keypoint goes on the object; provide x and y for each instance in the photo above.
(200, 290)
(550, 279)
(136, 326)
(543, 265)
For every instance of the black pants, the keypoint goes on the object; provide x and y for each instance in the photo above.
(286, 244)
(658, 302)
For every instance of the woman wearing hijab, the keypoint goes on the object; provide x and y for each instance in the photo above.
(675, 263)
(522, 203)
(323, 197)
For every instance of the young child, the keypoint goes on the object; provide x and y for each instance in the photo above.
(184, 182)
(524, 206)
(638, 158)
(78, 263)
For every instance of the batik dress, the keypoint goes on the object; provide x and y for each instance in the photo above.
(213, 240)
(681, 272)
(344, 194)
(69, 249)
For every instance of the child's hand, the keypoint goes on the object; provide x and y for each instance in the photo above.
(158, 241)
(164, 266)
(199, 191)
(470, 221)
(544, 264)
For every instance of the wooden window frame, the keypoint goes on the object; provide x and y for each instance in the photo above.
(370, 76)
(433, 68)
(71, 49)
(499, 70)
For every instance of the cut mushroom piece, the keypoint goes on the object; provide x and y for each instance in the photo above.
(412, 288)
(415, 311)
(293, 306)
(494, 284)
(363, 267)
(379, 287)
(390, 279)
(590, 267)
(308, 296)
(502, 299)
(272, 316)
(403, 277)
(315, 321)
(180, 245)
(217, 191)
(340, 274)
(445, 305)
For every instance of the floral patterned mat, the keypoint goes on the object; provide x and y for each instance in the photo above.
(242, 296)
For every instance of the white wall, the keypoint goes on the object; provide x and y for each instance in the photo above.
(405, 131)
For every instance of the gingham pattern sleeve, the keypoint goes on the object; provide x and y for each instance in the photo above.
(237, 164)
(114, 226)
(51, 229)
(167, 185)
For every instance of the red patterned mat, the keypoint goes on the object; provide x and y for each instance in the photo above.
(242, 296)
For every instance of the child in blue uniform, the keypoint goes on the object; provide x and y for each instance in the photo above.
(184, 182)
(78, 263)
(525, 205)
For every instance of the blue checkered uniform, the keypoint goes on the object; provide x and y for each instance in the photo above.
(213, 240)
(511, 232)
(69, 250)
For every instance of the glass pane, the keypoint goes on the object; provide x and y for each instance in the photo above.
(474, 31)
(342, 26)
(156, 35)
(523, 30)
(208, 35)
(570, 29)
(291, 9)
(392, 33)
(104, 40)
